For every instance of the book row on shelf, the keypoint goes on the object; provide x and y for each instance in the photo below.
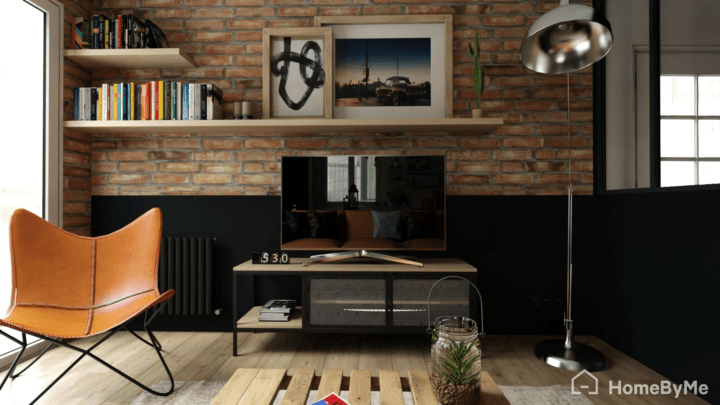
(121, 32)
(157, 100)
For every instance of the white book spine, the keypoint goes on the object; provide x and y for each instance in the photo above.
(198, 106)
(209, 102)
(191, 96)
(88, 103)
(106, 104)
(81, 103)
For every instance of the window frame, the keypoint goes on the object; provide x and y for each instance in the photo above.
(696, 118)
(52, 143)
(600, 116)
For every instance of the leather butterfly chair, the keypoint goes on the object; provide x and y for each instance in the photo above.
(66, 286)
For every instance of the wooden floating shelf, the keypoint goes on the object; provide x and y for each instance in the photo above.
(250, 321)
(476, 125)
(153, 58)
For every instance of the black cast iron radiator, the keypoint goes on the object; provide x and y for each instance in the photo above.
(186, 265)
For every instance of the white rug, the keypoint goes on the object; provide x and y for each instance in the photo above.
(203, 392)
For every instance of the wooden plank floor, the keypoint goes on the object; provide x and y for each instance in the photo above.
(197, 356)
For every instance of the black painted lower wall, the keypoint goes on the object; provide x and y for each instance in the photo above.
(646, 266)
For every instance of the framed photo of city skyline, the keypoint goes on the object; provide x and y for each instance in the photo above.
(391, 66)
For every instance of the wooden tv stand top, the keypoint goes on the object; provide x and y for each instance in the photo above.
(359, 265)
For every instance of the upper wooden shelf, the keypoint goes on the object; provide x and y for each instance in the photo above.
(152, 58)
(477, 125)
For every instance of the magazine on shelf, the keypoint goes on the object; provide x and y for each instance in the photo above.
(278, 306)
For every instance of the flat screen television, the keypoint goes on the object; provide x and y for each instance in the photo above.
(356, 203)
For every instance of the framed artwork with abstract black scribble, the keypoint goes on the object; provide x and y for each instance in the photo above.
(297, 72)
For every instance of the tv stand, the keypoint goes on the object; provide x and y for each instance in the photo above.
(334, 257)
(362, 297)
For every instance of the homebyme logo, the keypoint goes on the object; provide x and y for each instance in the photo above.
(332, 399)
(582, 382)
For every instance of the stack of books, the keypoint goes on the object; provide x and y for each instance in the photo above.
(158, 100)
(277, 311)
(121, 32)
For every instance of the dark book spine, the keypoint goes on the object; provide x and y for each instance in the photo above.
(93, 103)
(118, 32)
(128, 34)
(203, 101)
(168, 101)
(76, 104)
(95, 42)
(138, 102)
(101, 32)
(124, 31)
(126, 102)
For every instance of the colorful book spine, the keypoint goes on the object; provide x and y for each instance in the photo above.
(100, 104)
(101, 31)
(156, 101)
(95, 44)
(107, 34)
(115, 102)
(77, 32)
(159, 101)
(118, 32)
(110, 102)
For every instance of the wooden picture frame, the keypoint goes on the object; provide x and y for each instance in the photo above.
(447, 41)
(270, 95)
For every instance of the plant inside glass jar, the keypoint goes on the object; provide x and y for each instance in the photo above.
(456, 372)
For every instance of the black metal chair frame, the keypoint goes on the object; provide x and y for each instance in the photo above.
(154, 343)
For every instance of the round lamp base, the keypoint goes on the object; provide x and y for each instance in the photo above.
(579, 357)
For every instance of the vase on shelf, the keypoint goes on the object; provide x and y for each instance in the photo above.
(477, 113)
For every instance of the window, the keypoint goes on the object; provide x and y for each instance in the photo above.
(689, 130)
(345, 170)
(30, 164)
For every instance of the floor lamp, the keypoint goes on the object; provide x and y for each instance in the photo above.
(568, 38)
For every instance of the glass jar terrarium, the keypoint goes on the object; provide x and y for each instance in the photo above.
(456, 356)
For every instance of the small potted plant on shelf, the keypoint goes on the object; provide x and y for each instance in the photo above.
(477, 75)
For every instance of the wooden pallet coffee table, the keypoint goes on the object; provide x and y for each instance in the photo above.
(259, 386)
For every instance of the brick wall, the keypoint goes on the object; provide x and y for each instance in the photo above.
(525, 156)
(76, 145)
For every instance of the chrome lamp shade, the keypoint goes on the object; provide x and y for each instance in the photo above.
(566, 39)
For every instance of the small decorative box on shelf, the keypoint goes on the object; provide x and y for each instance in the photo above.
(149, 58)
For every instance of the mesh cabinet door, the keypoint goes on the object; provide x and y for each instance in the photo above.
(347, 302)
(450, 297)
